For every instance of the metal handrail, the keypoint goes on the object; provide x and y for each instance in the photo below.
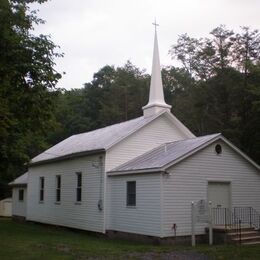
(223, 216)
(248, 215)
(227, 218)
(234, 219)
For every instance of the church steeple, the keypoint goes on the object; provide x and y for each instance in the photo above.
(156, 98)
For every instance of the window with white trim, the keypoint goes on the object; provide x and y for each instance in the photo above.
(41, 189)
(79, 187)
(131, 193)
(21, 194)
(58, 188)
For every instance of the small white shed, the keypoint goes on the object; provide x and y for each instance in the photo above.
(6, 207)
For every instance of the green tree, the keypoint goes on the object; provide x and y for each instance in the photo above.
(114, 95)
(126, 95)
(27, 87)
(224, 96)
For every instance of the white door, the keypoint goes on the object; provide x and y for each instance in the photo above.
(219, 194)
(7, 209)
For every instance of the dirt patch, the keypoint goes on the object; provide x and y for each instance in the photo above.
(62, 248)
(168, 256)
(59, 247)
(176, 255)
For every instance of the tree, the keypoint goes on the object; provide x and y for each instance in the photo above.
(186, 51)
(27, 87)
(127, 94)
(225, 93)
(114, 95)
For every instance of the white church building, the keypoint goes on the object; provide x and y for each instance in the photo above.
(138, 177)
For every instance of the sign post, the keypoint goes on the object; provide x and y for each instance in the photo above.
(193, 241)
(210, 225)
(201, 213)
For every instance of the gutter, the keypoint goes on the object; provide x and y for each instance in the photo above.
(67, 156)
(136, 171)
(17, 184)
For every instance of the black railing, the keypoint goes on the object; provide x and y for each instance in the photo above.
(234, 219)
(228, 219)
(248, 215)
(224, 217)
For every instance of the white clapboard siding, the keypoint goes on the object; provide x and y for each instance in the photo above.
(19, 207)
(85, 215)
(145, 218)
(159, 131)
(189, 181)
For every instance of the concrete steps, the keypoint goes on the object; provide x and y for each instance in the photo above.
(252, 243)
(249, 236)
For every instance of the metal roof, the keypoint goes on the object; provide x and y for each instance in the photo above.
(164, 154)
(96, 140)
(21, 180)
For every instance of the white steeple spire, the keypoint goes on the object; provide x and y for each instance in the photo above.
(156, 98)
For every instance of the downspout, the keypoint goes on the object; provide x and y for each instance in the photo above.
(161, 204)
(104, 191)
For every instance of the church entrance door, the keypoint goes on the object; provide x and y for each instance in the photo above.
(219, 194)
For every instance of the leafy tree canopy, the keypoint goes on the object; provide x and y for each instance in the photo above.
(27, 86)
(222, 92)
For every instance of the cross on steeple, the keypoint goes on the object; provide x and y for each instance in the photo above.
(155, 24)
(156, 102)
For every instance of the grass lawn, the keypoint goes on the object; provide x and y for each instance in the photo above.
(34, 241)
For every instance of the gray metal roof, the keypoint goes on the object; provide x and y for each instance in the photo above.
(164, 154)
(21, 180)
(99, 139)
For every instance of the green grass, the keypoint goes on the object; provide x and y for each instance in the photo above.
(34, 241)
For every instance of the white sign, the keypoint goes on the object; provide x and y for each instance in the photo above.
(202, 211)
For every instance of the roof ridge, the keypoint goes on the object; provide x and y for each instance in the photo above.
(123, 122)
(187, 139)
(101, 128)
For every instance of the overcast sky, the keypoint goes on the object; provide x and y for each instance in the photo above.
(94, 33)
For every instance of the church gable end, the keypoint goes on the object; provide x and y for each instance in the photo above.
(160, 130)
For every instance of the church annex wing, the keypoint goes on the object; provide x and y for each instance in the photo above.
(168, 154)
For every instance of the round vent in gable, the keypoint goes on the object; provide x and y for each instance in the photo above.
(218, 149)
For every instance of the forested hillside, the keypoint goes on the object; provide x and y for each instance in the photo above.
(216, 88)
